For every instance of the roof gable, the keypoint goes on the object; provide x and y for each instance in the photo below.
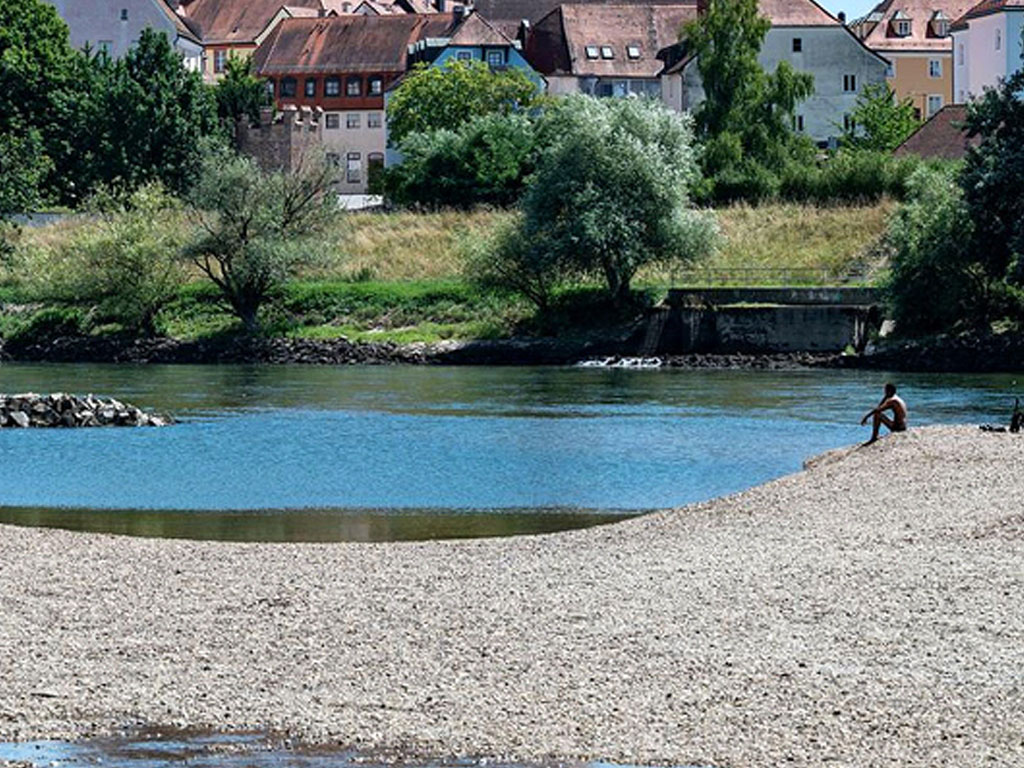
(878, 29)
(476, 30)
(239, 21)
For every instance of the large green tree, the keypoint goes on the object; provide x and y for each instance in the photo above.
(445, 97)
(130, 121)
(992, 175)
(745, 120)
(612, 193)
(879, 121)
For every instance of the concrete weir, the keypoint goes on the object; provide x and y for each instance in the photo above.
(762, 320)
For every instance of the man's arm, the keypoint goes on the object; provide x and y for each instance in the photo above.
(885, 405)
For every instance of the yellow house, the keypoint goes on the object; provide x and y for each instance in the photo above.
(914, 36)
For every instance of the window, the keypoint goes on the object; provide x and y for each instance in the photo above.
(353, 168)
(934, 104)
(999, 39)
(607, 52)
(374, 161)
(374, 120)
(798, 44)
(332, 86)
(592, 52)
(270, 89)
(890, 69)
(848, 124)
(352, 120)
(960, 54)
(903, 28)
(376, 86)
(934, 67)
(849, 83)
(941, 28)
(288, 87)
(124, 14)
(633, 51)
(463, 55)
(333, 159)
(332, 120)
(354, 86)
(495, 58)
(105, 47)
(961, 98)
(798, 123)
(220, 60)
(917, 113)
(310, 87)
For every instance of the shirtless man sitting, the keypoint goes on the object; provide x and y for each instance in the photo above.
(890, 402)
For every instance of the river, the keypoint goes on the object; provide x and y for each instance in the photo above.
(305, 453)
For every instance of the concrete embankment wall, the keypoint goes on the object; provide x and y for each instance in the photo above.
(768, 320)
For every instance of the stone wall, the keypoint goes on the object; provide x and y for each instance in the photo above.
(281, 141)
(61, 410)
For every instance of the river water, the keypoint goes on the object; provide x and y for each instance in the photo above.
(399, 452)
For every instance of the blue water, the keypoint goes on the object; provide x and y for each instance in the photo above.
(263, 437)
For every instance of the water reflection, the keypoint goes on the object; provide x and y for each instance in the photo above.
(311, 525)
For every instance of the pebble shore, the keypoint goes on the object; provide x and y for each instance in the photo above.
(868, 611)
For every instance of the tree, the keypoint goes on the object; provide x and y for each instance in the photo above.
(254, 228)
(432, 98)
(239, 93)
(880, 122)
(746, 116)
(34, 62)
(128, 122)
(483, 162)
(991, 178)
(611, 194)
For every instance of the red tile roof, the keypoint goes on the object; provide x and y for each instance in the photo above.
(941, 137)
(236, 21)
(345, 43)
(642, 29)
(879, 31)
(796, 13)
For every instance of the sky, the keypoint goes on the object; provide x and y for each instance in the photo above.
(854, 8)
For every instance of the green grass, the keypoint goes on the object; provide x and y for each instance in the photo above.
(398, 276)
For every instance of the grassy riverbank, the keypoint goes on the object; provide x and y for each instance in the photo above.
(399, 276)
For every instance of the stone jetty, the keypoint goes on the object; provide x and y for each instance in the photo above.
(63, 410)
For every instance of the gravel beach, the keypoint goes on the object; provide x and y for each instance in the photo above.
(866, 611)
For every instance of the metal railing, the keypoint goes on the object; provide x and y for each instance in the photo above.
(770, 276)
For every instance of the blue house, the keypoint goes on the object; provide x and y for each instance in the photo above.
(470, 37)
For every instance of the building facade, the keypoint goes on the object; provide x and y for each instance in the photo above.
(112, 27)
(342, 65)
(811, 40)
(986, 46)
(914, 35)
(606, 50)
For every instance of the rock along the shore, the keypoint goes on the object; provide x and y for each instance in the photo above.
(63, 410)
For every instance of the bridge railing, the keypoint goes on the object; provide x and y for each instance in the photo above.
(770, 276)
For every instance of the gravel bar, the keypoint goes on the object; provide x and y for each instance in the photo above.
(866, 611)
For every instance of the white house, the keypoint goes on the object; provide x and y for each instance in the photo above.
(986, 46)
(114, 26)
(811, 40)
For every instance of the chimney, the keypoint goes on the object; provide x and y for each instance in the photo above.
(458, 13)
(842, 18)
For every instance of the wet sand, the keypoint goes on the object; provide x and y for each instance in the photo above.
(867, 611)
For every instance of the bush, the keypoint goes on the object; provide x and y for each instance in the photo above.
(484, 162)
(849, 176)
(934, 284)
(127, 264)
(47, 324)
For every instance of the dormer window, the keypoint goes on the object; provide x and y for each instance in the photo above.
(901, 25)
(633, 51)
(592, 52)
(940, 24)
(607, 52)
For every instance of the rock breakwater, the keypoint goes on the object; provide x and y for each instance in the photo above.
(63, 410)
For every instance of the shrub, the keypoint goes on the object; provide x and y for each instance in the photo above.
(47, 324)
(126, 263)
(934, 284)
(484, 162)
